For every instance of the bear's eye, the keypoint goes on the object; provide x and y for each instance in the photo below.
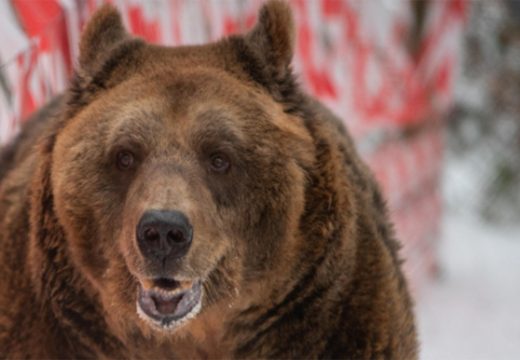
(124, 159)
(219, 163)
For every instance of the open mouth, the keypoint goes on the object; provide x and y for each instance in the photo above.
(168, 303)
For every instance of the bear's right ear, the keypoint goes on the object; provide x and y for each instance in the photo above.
(103, 33)
(273, 36)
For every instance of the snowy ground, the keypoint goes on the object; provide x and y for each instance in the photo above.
(473, 310)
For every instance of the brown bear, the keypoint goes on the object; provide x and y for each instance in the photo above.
(192, 202)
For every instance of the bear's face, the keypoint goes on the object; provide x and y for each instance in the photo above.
(179, 185)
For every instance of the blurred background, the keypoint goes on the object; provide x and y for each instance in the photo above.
(429, 89)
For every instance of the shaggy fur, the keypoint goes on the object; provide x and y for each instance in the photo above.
(292, 242)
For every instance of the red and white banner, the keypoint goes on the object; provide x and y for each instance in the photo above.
(354, 55)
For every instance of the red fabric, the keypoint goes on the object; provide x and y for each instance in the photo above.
(46, 21)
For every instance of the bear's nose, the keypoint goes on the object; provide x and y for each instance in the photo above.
(164, 235)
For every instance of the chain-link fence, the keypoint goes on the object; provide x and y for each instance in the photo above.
(483, 163)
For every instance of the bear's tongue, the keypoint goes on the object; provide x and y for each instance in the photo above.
(166, 306)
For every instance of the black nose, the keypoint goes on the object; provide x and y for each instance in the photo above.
(164, 235)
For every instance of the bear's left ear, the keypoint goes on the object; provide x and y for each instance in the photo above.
(108, 54)
(102, 34)
(273, 36)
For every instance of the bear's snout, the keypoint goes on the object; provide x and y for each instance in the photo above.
(164, 235)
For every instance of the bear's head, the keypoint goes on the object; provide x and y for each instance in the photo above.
(178, 175)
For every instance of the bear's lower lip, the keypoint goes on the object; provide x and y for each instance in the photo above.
(167, 309)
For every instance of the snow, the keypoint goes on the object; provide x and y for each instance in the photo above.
(472, 311)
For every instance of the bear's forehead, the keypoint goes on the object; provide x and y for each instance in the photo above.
(182, 89)
(149, 118)
(199, 95)
(163, 99)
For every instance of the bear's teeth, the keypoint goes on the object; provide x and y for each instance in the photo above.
(166, 294)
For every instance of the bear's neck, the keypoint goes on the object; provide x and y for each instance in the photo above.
(70, 308)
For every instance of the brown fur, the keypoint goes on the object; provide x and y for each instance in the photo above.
(293, 243)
